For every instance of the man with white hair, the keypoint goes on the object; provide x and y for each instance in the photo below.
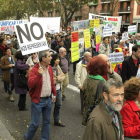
(81, 73)
(64, 66)
(105, 121)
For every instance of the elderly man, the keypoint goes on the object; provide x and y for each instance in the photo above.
(110, 73)
(104, 46)
(105, 121)
(42, 87)
(64, 66)
(81, 73)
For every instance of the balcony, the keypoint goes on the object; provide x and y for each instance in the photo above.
(92, 4)
(124, 11)
(104, 1)
(104, 12)
(123, 0)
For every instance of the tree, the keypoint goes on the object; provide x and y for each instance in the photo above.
(20, 8)
(67, 8)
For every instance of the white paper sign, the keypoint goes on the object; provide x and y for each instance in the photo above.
(130, 48)
(138, 72)
(50, 24)
(31, 38)
(116, 57)
(107, 32)
(132, 29)
(125, 36)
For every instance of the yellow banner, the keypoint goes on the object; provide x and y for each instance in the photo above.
(97, 22)
(98, 39)
(91, 23)
(87, 38)
(74, 51)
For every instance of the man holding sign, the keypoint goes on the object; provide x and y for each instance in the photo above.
(41, 86)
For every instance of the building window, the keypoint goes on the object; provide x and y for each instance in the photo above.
(121, 6)
(127, 18)
(128, 6)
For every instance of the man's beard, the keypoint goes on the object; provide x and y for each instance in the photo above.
(113, 105)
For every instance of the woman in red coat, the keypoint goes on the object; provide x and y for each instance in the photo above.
(131, 109)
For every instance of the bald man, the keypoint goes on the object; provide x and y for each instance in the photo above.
(64, 66)
(81, 74)
(110, 73)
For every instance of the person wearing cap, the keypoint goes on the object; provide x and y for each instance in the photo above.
(8, 68)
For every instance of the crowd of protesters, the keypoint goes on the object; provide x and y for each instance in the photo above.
(44, 75)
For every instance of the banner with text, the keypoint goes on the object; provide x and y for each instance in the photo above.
(116, 57)
(31, 37)
(132, 29)
(6, 24)
(115, 22)
(50, 24)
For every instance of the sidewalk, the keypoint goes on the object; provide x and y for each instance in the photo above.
(4, 133)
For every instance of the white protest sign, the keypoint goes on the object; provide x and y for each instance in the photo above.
(132, 29)
(115, 20)
(130, 48)
(138, 72)
(116, 57)
(125, 36)
(107, 32)
(50, 24)
(31, 38)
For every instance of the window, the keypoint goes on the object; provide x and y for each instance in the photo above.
(128, 6)
(121, 6)
(127, 18)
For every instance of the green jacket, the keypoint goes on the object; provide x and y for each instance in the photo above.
(100, 125)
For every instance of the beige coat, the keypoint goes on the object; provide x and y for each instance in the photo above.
(5, 69)
(60, 77)
(102, 49)
(80, 74)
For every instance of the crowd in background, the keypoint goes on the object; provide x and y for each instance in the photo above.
(93, 75)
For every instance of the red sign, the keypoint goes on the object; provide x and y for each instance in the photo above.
(74, 36)
(112, 19)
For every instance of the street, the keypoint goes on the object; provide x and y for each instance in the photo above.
(17, 121)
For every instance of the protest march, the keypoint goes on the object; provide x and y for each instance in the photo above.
(43, 68)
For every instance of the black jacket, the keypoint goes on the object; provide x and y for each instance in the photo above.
(129, 69)
(67, 44)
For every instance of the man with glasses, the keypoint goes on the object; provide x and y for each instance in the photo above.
(105, 121)
(130, 66)
(110, 73)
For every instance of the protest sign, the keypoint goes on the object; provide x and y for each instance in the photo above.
(138, 72)
(107, 32)
(74, 36)
(91, 23)
(87, 38)
(132, 29)
(125, 36)
(4, 24)
(96, 22)
(130, 48)
(31, 37)
(116, 21)
(98, 39)
(74, 51)
(116, 57)
(50, 24)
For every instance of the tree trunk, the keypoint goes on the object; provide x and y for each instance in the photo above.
(65, 26)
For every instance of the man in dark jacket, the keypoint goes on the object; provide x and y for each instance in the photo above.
(67, 44)
(130, 65)
(105, 121)
(60, 45)
(55, 42)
